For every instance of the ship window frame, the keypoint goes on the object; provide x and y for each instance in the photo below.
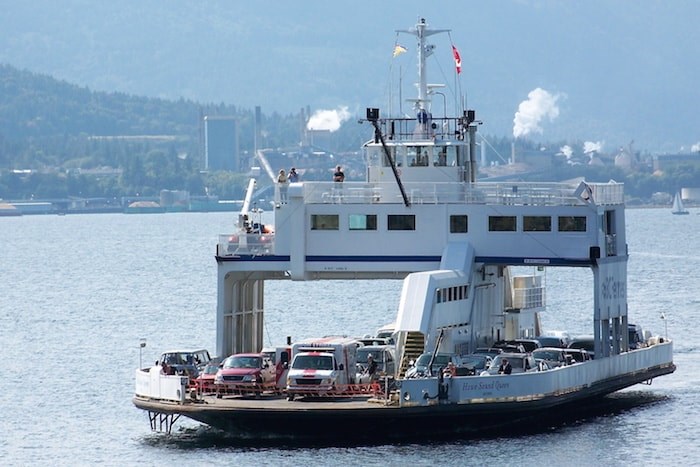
(572, 224)
(370, 222)
(533, 223)
(402, 227)
(332, 222)
(503, 223)
(455, 226)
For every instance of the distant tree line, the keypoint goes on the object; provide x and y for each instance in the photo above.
(66, 134)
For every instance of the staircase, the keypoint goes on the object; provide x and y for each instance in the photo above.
(412, 348)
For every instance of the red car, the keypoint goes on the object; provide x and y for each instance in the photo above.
(245, 373)
(205, 381)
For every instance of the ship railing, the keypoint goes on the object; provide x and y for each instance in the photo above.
(537, 194)
(411, 129)
(152, 384)
(245, 244)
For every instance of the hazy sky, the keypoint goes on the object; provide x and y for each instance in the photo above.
(607, 71)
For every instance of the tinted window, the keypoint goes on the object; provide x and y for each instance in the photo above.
(401, 222)
(324, 222)
(502, 223)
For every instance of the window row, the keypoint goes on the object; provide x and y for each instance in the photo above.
(450, 294)
(458, 223)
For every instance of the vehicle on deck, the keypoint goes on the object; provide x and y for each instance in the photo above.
(422, 368)
(186, 362)
(520, 363)
(490, 351)
(554, 356)
(322, 367)
(383, 355)
(473, 364)
(528, 345)
(279, 357)
(553, 341)
(577, 355)
(204, 382)
(637, 337)
(583, 342)
(246, 373)
(387, 331)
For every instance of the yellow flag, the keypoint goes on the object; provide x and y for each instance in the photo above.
(399, 49)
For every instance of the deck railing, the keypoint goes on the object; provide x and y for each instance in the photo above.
(540, 194)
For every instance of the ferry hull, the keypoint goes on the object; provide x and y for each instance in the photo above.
(359, 420)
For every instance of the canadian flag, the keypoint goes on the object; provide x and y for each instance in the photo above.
(458, 59)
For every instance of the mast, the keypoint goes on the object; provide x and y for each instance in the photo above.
(421, 32)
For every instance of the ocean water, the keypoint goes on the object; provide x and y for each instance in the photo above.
(77, 293)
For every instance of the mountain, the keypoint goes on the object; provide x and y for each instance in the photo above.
(618, 70)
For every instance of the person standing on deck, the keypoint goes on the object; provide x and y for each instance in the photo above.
(284, 185)
(293, 175)
(338, 175)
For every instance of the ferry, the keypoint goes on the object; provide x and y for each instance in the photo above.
(460, 247)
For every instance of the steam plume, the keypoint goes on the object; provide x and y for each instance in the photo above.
(590, 147)
(539, 104)
(328, 119)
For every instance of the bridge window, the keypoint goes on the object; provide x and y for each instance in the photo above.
(537, 224)
(572, 224)
(459, 224)
(362, 222)
(324, 222)
(401, 222)
(502, 223)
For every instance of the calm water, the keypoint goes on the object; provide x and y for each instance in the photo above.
(78, 292)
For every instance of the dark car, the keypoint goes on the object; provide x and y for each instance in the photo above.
(528, 345)
(577, 355)
(585, 343)
(420, 367)
(185, 362)
(553, 341)
(473, 364)
(554, 356)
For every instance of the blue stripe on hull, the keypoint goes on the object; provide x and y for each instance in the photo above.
(509, 260)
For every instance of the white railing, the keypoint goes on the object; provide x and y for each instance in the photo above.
(539, 194)
(245, 244)
(153, 384)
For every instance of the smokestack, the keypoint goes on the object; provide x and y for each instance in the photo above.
(512, 152)
(483, 154)
(258, 130)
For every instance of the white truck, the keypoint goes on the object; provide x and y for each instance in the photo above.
(322, 366)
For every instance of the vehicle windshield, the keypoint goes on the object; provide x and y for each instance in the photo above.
(477, 362)
(211, 369)
(514, 362)
(440, 361)
(547, 355)
(550, 341)
(313, 362)
(243, 362)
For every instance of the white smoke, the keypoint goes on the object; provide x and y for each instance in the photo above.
(566, 151)
(591, 147)
(328, 119)
(539, 104)
(695, 147)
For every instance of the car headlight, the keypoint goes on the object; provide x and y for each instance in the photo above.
(248, 378)
(218, 379)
